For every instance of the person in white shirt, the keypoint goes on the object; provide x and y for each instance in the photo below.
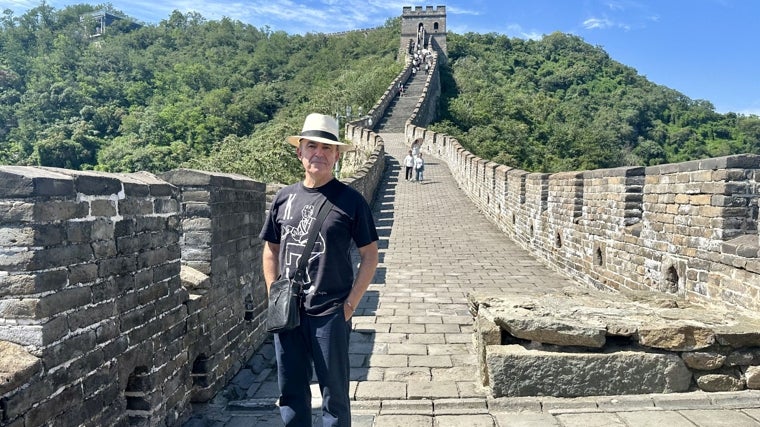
(409, 164)
(419, 166)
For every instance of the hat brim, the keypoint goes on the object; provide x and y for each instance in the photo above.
(295, 141)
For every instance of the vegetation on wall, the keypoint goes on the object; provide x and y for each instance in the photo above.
(215, 95)
(560, 104)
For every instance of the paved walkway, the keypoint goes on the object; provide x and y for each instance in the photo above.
(412, 356)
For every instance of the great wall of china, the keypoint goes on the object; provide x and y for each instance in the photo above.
(125, 297)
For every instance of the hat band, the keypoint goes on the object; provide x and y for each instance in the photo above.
(320, 134)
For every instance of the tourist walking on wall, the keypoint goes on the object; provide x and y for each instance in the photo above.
(419, 167)
(409, 165)
(416, 145)
(330, 292)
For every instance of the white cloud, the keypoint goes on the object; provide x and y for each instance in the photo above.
(516, 30)
(597, 24)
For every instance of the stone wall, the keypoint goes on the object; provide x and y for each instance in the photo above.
(584, 342)
(426, 109)
(125, 297)
(90, 286)
(688, 229)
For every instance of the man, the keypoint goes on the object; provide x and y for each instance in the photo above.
(409, 165)
(331, 293)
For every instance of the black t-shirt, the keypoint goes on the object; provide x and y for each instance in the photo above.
(329, 274)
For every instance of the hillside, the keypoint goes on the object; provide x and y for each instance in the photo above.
(560, 104)
(219, 95)
(223, 95)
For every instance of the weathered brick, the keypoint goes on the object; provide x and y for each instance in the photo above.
(19, 308)
(27, 284)
(60, 210)
(72, 347)
(135, 207)
(121, 265)
(91, 315)
(49, 408)
(60, 256)
(103, 207)
(64, 300)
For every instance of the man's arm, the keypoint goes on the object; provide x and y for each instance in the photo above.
(369, 259)
(270, 263)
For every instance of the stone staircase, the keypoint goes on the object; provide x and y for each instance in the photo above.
(402, 106)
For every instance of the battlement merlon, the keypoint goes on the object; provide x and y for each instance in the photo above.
(407, 10)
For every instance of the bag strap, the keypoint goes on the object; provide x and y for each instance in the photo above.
(324, 208)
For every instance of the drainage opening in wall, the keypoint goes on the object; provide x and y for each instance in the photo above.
(248, 314)
(138, 389)
(200, 371)
(598, 257)
(671, 280)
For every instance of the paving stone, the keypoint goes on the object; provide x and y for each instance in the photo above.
(447, 328)
(719, 418)
(431, 361)
(513, 404)
(454, 373)
(744, 399)
(460, 406)
(406, 328)
(417, 406)
(388, 360)
(473, 420)
(590, 420)
(377, 390)
(403, 420)
(556, 405)
(432, 389)
(471, 389)
(407, 348)
(625, 403)
(439, 349)
(407, 374)
(654, 418)
(676, 401)
(524, 419)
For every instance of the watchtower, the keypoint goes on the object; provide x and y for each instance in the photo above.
(425, 29)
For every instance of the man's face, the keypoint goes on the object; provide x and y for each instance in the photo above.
(318, 158)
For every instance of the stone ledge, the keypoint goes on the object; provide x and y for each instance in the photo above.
(517, 371)
(17, 366)
(585, 342)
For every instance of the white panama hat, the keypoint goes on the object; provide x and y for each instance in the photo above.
(320, 128)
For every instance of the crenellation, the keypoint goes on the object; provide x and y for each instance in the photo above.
(639, 217)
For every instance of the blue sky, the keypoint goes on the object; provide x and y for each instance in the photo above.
(706, 49)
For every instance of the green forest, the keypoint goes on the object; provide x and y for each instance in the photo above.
(223, 95)
(560, 104)
(187, 92)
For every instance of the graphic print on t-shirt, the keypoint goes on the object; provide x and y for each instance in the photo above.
(298, 237)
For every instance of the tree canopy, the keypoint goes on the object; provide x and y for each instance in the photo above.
(217, 95)
(560, 104)
(223, 95)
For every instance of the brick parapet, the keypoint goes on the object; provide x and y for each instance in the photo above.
(688, 228)
(90, 286)
(93, 284)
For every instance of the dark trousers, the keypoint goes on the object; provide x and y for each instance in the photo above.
(408, 173)
(322, 340)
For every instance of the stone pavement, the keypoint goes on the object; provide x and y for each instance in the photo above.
(411, 350)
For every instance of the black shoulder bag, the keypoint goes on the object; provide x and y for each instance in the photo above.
(285, 293)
